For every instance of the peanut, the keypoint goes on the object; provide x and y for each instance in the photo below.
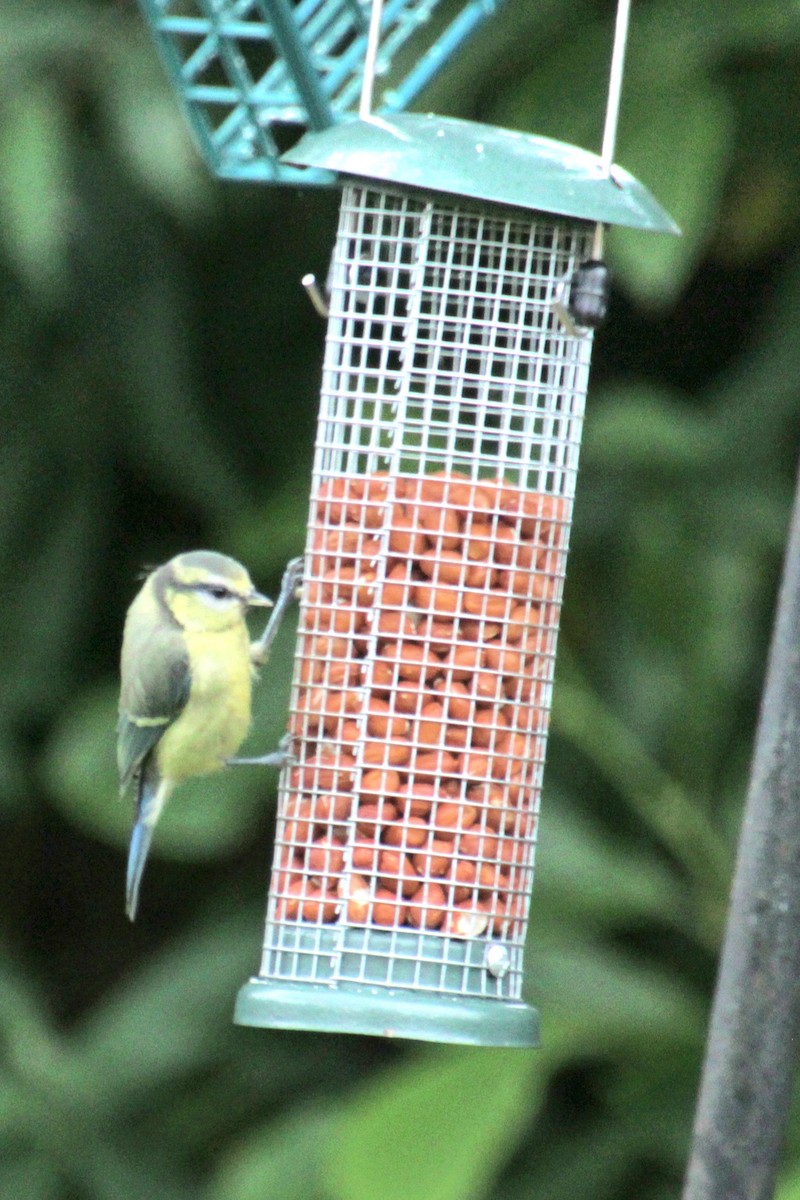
(422, 694)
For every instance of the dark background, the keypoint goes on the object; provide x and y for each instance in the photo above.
(159, 373)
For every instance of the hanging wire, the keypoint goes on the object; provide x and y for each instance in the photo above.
(370, 60)
(309, 281)
(581, 301)
(612, 106)
(615, 85)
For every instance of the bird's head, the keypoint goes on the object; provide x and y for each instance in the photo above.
(205, 591)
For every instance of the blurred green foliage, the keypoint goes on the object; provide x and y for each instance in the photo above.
(159, 370)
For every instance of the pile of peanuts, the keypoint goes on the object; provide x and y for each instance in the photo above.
(428, 620)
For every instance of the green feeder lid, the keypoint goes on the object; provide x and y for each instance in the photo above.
(482, 162)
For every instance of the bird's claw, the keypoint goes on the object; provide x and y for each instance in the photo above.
(292, 578)
(287, 743)
(293, 575)
(284, 756)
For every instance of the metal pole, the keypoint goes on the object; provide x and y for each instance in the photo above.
(752, 1045)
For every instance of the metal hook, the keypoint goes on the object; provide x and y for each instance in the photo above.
(315, 295)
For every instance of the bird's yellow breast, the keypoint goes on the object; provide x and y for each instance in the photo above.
(214, 723)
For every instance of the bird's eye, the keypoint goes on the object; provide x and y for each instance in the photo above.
(218, 591)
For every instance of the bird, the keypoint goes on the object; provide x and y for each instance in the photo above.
(186, 673)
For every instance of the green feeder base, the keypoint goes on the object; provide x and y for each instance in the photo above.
(386, 1012)
(399, 984)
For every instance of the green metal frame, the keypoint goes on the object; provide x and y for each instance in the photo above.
(254, 75)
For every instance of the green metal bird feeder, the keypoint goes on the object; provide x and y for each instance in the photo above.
(465, 285)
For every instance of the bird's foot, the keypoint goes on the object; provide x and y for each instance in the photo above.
(278, 758)
(284, 756)
(293, 575)
(292, 579)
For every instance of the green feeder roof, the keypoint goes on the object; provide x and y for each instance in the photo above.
(482, 162)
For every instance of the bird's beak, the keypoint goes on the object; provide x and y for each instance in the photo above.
(259, 600)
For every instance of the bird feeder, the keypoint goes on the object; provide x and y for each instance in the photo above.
(465, 285)
(455, 373)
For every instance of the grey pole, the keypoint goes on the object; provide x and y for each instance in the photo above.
(752, 1046)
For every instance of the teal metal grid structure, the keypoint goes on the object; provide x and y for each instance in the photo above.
(254, 75)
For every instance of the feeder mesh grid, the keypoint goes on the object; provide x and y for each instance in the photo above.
(447, 449)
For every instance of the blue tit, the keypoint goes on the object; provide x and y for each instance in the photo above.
(186, 678)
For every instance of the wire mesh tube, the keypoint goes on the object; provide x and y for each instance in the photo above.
(447, 449)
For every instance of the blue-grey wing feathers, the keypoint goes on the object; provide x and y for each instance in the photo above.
(155, 688)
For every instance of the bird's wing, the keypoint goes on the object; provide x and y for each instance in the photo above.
(155, 688)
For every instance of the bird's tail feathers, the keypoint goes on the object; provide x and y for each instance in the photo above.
(150, 802)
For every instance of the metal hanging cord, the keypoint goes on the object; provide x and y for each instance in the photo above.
(371, 60)
(612, 106)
